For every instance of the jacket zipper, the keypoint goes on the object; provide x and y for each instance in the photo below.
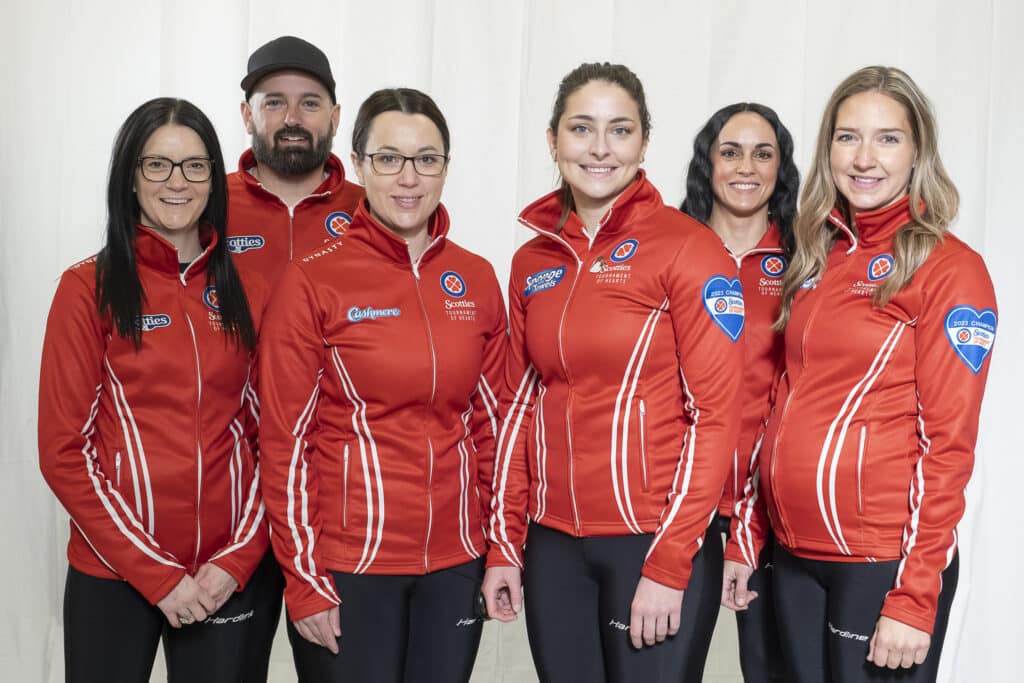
(860, 461)
(344, 491)
(643, 444)
(199, 448)
(117, 468)
(430, 506)
(568, 401)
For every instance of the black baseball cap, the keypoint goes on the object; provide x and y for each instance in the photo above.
(288, 52)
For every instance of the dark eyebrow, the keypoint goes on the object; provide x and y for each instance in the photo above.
(301, 97)
(421, 150)
(732, 143)
(617, 119)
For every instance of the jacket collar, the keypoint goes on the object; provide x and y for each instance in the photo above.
(366, 230)
(639, 200)
(877, 226)
(334, 181)
(770, 243)
(154, 252)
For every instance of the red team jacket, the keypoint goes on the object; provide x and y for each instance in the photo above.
(871, 441)
(152, 451)
(761, 271)
(379, 410)
(620, 384)
(264, 234)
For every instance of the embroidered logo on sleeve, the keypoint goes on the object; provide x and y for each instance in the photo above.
(723, 299)
(543, 280)
(971, 333)
(336, 223)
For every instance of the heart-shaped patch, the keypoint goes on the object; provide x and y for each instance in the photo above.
(971, 333)
(723, 299)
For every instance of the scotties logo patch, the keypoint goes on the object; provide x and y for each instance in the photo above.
(773, 265)
(723, 299)
(971, 333)
(624, 251)
(453, 284)
(880, 267)
(210, 298)
(239, 244)
(153, 321)
(336, 223)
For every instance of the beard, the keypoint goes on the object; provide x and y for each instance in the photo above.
(293, 160)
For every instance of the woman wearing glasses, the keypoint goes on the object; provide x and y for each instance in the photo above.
(147, 417)
(382, 354)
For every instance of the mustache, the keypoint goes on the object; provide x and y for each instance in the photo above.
(293, 132)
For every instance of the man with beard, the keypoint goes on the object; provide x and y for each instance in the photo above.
(289, 194)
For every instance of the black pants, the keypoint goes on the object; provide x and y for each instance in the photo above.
(760, 653)
(266, 614)
(578, 595)
(399, 629)
(111, 634)
(827, 613)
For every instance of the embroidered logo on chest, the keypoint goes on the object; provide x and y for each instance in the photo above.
(213, 303)
(336, 223)
(153, 321)
(458, 307)
(543, 280)
(971, 333)
(239, 244)
(612, 270)
(773, 266)
(723, 299)
(880, 267)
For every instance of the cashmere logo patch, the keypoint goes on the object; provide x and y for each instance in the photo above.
(358, 315)
(971, 333)
(336, 223)
(624, 250)
(453, 284)
(880, 267)
(543, 280)
(239, 244)
(153, 321)
(723, 299)
(773, 265)
(210, 298)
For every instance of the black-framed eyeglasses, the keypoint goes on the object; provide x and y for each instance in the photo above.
(159, 169)
(391, 163)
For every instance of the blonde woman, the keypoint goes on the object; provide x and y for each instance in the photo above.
(889, 322)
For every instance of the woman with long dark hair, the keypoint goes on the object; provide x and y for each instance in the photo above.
(379, 364)
(889, 322)
(743, 184)
(624, 362)
(147, 417)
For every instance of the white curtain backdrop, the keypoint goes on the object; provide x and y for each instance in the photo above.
(70, 72)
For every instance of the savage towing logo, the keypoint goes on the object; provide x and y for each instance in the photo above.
(150, 322)
(239, 244)
(358, 315)
(543, 280)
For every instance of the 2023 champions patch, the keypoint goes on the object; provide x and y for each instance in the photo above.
(971, 333)
(723, 299)
(543, 280)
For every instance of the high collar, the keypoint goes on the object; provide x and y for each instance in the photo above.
(637, 201)
(156, 253)
(332, 167)
(366, 230)
(770, 243)
(877, 226)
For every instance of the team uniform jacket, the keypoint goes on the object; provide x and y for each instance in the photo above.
(264, 234)
(379, 408)
(623, 367)
(152, 452)
(871, 440)
(761, 271)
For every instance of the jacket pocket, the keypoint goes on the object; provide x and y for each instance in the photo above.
(117, 468)
(862, 442)
(643, 445)
(344, 488)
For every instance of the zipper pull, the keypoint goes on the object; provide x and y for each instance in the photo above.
(643, 408)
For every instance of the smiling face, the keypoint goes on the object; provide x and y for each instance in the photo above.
(173, 207)
(744, 165)
(292, 121)
(404, 202)
(872, 152)
(598, 146)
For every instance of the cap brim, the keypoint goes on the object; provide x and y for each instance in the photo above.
(253, 77)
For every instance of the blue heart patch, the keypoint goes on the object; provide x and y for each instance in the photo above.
(971, 333)
(723, 299)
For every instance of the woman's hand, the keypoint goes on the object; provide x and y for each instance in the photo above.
(187, 603)
(322, 628)
(654, 614)
(503, 592)
(895, 644)
(217, 583)
(735, 594)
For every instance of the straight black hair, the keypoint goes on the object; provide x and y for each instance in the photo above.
(405, 100)
(119, 293)
(781, 205)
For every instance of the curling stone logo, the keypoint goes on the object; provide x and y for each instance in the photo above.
(880, 267)
(624, 251)
(453, 284)
(239, 244)
(153, 321)
(773, 265)
(210, 298)
(337, 222)
(971, 333)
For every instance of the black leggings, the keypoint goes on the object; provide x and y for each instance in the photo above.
(827, 613)
(399, 629)
(578, 594)
(760, 653)
(111, 634)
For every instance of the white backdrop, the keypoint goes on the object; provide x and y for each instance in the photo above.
(72, 71)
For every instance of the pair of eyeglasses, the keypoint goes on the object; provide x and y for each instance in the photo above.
(390, 163)
(159, 169)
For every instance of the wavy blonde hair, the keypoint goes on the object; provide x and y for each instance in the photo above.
(815, 235)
